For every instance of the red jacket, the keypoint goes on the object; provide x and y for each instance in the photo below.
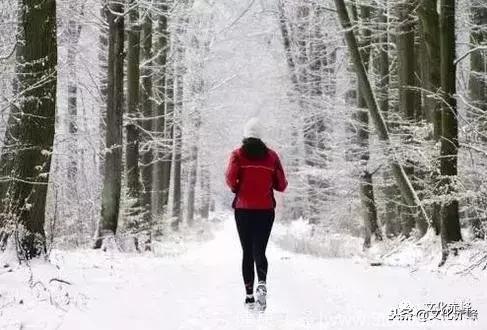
(253, 181)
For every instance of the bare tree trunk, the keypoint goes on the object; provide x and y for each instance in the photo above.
(166, 160)
(406, 58)
(369, 209)
(112, 180)
(164, 95)
(179, 74)
(148, 125)
(450, 223)
(74, 31)
(430, 29)
(193, 171)
(389, 188)
(478, 58)
(286, 38)
(200, 49)
(71, 209)
(133, 99)
(177, 156)
(28, 144)
(478, 97)
(407, 92)
(402, 180)
(178, 138)
(205, 190)
(383, 61)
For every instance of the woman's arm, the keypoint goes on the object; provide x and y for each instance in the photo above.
(231, 174)
(280, 182)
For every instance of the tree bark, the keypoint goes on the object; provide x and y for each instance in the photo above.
(71, 208)
(430, 29)
(74, 32)
(286, 38)
(177, 156)
(407, 93)
(28, 144)
(200, 50)
(193, 171)
(167, 160)
(430, 23)
(406, 59)
(366, 188)
(450, 223)
(113, 156)
(382, 63)
(478, 96)
(205, 185)
(179, 76)
(478, 58)
(133, 99)
(178, 146)
(369, 209)
(149, 125)
(164, 94)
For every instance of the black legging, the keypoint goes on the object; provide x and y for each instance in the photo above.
(254, 228)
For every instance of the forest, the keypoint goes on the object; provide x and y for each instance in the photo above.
(119, 116)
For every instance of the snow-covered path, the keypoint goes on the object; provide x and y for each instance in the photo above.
(202, 289)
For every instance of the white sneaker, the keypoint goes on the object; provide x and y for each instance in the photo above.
(261, 293)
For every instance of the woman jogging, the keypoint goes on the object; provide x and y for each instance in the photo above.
(253, 172)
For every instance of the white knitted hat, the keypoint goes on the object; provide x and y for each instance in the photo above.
(253, 129)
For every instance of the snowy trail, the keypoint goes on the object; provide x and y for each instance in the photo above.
(202, 289)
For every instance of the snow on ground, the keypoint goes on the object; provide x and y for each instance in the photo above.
(202, 289)
(302, 237)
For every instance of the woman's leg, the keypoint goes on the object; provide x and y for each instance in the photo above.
(262, 226)
(243, 221)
